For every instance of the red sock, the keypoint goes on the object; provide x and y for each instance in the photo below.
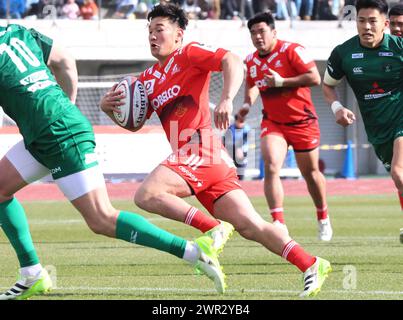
(321, 213)
(294, 254)
(401, 200)
(277, 214)
(199, 220)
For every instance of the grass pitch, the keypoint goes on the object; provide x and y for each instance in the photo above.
(365, 253)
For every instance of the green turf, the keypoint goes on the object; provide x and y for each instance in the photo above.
(365, 253)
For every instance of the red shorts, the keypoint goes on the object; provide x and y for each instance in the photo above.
(302, 137)
(210, 175)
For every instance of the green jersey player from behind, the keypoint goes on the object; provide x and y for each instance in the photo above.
(58, 139)
(372, 63)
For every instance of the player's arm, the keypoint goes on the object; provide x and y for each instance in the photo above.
(250, 95)
(63, 66)
(232, 68)
(344, 116)
(308, 79)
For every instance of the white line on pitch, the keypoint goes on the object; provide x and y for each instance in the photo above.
(350, 292)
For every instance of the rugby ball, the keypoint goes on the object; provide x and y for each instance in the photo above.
(134, 112)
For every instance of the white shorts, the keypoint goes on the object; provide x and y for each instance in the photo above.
(72, 186)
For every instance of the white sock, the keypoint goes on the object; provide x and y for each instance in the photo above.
(191, 252)
(31, 270)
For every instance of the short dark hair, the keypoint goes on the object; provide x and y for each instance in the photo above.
(171, 11)
(381, 5)
(396, 10)
(266, 17)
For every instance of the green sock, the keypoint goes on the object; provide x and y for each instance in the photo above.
(134, 228)
(15, 225)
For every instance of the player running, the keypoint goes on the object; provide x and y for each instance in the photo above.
(282, 73)
(177, 88)
(372, 63)
(58, 139)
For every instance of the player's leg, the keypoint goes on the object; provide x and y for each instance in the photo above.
(18, 168)
(87, 192)
(391, 155)
(236, 208)
(162, 192)
(308, 163)
(397, 166)
(274, 150)
(397, 172)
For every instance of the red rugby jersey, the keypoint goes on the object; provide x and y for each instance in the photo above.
(283, 105)
(178, 91)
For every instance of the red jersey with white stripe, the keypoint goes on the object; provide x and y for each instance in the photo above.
(282, 105)
(178, 92)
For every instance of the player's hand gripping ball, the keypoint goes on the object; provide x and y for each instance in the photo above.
(133, 113)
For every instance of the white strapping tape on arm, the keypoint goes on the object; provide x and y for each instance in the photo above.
(327, 79)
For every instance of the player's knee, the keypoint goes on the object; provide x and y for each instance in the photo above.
(397, 176)
(247, 229)
(143, 197)
(103, 224)
(4, 195)
(271, 169)
(311, 174)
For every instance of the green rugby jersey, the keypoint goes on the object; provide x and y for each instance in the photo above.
(376, 77)
(29, 94)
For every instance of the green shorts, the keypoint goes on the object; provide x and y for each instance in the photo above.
(67, 146)
(384, 151)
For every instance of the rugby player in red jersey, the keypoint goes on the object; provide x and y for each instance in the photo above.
(283, 72)
(177, 89)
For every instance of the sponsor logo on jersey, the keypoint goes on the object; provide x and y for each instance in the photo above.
(175, 69)
(41, 85)
(253, 72)
(358, 70)
(149, 85)
(157, 74)
(180, 110)
(387, 67)
(357, 55)
(271, 58)
(169, 65)
(191, 176)
(278, 64)
(261, 83)
(55, 170)
(374, 96)
(257, 61)
(165, 96)
(265, 67)
(385, 54)
(34, 77)
(376, 92)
